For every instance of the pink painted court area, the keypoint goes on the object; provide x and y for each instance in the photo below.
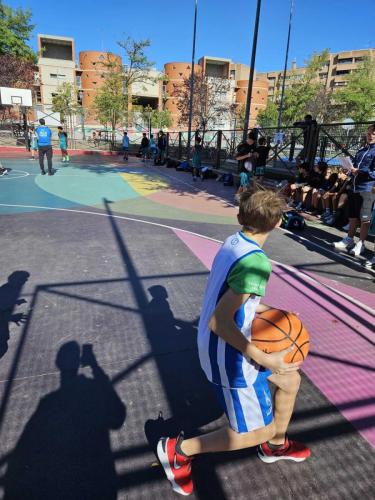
(340, 320)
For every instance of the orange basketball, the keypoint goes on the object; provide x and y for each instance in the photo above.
(275, 330)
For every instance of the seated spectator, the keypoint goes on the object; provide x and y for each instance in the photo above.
(314, 181)
(328, 183)
(335, 200)
(302, 178)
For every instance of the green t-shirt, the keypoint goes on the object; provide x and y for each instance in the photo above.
(250, 274)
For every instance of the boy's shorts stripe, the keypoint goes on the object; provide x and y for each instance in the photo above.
(247, 408)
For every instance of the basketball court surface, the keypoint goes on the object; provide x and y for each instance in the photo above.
(117, 256)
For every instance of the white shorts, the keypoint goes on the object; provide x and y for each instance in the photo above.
(247, 408)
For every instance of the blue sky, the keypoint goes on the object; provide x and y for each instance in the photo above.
(225, 28)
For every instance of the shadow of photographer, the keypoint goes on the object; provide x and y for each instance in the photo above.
(64, 450)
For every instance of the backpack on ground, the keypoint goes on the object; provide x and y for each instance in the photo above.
(291, 219)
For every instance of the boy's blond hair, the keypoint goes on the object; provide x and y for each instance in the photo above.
(261, 211)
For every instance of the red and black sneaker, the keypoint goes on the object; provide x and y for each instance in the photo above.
(177, 467)
(291, 450)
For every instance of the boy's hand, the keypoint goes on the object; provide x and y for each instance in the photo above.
(275, 362)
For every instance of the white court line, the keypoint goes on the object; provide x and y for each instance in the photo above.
(296, 271)
(8, 177)
(158, 224)
(332, 252)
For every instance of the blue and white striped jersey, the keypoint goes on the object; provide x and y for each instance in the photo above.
(243, 258)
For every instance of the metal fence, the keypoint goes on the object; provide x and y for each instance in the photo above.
(326, 142)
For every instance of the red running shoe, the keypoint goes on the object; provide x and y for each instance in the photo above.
(292, 450)
(177, 467)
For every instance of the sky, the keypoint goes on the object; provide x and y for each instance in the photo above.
(224, 28)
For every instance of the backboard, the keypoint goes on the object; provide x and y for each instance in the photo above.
(15, 97)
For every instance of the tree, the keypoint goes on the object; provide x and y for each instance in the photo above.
(136, 68)
(268, 117)
(111, 103)
(65, 102)
(157, 119)
(16, 72)
(357, 99)
(211, 106)
(15, 32)
(303, 90)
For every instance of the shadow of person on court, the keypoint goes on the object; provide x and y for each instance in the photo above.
(64, 450)
(10, 298)
(191, 400)
(174, 342)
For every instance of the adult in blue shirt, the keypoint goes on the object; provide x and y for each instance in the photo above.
(44, 135)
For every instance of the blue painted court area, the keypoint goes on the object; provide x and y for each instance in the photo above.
(98, 322)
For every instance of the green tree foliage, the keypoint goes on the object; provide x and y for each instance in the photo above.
(159, 119)
(111, 103)
(15, 32)
(65, 101)
(136, 68)
(357, 99)
(304, 90)
(268, 117)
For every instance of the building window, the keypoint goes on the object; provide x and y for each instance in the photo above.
(94, 83)
(232, 74)
(359, 59)
(345, 60)
(56, 75)
(343, 72)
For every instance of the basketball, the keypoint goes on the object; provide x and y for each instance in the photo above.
(275, 330)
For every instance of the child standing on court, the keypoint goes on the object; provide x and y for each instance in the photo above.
(33, 142)
(125, 146)
(238, 371)
(260, 163)
(197, 159)
(63, 142)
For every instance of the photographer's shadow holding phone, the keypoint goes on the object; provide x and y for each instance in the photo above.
(64, 450)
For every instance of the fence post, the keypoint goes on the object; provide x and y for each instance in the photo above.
(323, 147)
(312, 145)
(167, 146)
(218, 148)
(179, 155)
(292, 147)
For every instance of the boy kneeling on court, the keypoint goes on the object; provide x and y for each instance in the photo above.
(238, 370)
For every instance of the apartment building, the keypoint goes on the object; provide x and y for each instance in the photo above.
(333, 74)
(237, 76)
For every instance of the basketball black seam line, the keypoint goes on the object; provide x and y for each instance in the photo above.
(282, 331)
(295, 342)
(287, 317)
(304, 357)
(299, 333)
(285, 334)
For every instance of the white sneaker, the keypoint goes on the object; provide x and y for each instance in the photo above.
(345, 228)
(344, 244)
(358, 249)
(370, 262)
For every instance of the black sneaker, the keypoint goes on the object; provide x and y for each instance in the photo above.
(43, 172)
(50, 173)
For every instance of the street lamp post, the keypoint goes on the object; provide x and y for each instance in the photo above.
(192, 81)
(252, 69)
(285, 68)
